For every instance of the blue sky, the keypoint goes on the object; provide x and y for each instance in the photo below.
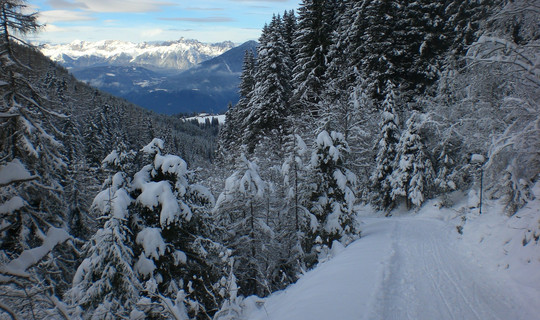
(149, 20)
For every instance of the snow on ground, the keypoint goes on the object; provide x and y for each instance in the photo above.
(417, 266)
(510, 246)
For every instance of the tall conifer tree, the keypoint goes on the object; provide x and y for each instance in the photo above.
(386, 152)
(315, 25)
(269, 104)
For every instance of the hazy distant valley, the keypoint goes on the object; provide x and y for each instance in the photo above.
(184, 76)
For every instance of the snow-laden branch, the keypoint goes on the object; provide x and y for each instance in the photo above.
(514, 8)
(496, 50)
(28, 258)
(7, 115)
(8, 310)
(14, 172)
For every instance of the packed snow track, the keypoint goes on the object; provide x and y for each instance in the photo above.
(402, 268)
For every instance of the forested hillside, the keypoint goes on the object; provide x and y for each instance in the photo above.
(55, 132)
(346, 103)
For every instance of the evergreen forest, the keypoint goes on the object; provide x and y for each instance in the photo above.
(110, 211)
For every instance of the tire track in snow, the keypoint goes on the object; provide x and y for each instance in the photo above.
(396, 288)
(483, 294)
(435, 285)
(442, 267)
(454, 289)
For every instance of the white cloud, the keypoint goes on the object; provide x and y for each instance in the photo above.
(258, 1)
(236, 35)
(53, 16)
(87, 33)
(151, 33)
(111, 22)
(203, 9)
(202, 20)
(68, 20)
(124, 5)
(66, 4)
(53, 28)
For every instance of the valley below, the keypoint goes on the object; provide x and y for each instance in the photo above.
(177, 77)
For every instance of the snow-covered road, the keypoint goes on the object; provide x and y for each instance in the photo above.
(402, 268)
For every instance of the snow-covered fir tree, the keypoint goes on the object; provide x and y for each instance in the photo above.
(269, 102)
(296, 220)
(153, 252)
(315, 20)
(29, 145)
(171, 224)
(290, 26)
(413, 175)
(106, 286)
(294, 171)
(231, 308)
(333, 197)
(240, 209)
(231, 133)
(32, 166)
(281, 255)
(386, 152)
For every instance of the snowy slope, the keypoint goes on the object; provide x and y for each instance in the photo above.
(511, 245)
(173, 55)
(410, 267)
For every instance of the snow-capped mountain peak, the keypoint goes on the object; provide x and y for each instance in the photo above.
(181, 54)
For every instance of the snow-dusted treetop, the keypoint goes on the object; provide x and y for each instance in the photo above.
(203, 117)
(153, 147)
(326, 140)
(246, 181)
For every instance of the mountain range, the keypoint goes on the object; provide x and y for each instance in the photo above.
(183, 76)
(170, 56)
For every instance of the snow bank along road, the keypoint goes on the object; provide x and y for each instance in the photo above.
(402, 268)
